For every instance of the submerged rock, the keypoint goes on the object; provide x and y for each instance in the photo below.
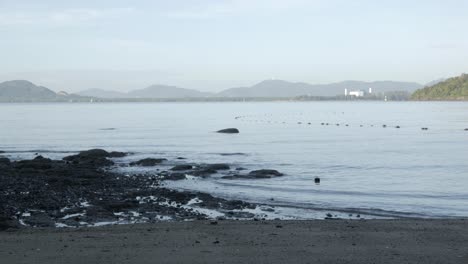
(176, 176)
(148, 162)
(256, 174)
(182, 167)
(217, 166)
(265, 173)
(229, 131)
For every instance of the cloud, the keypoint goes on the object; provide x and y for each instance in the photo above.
(62, 17)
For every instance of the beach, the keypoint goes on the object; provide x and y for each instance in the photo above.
(314, 241)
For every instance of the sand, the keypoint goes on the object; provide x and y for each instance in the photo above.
(316, 241)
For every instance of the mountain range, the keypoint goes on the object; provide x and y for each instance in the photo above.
(25, 91)
(21, 90)
(267, 89)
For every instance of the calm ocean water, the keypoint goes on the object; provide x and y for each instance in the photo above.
(363, 166)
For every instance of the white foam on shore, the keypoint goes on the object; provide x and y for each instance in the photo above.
(73, 215)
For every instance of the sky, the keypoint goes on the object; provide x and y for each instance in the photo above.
(211, 45)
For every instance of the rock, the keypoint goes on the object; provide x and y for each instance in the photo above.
(1, 151)
(317, 180)
(7, 223)
(397, 127)
(424, 128)
(148, 162)
(229, 131)
(466, 129)
(217, 166)
(39, 220)
(117, 154)
(177, 176)
(203, 172)
(384, 126)
(265, 173)
(94, 157)
(119, 206)
(4, 161)
(182, 167)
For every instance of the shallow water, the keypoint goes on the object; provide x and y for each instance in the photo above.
(363, 166)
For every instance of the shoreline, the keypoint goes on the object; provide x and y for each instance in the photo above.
(308, 241)
(88, 189)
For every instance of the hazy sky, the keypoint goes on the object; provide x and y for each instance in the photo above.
(215, 44)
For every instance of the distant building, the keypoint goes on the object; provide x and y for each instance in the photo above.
(358, 93)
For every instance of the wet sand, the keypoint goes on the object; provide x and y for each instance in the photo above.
(316, 241)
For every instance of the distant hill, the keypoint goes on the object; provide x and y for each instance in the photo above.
(455, 88)
(165, 91)
(154, 91)
(25, 91)
(102, 93)
(21, 89)
(280, 88)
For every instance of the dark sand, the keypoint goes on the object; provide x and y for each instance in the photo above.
(320, 241)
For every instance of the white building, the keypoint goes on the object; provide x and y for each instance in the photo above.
(358, 93)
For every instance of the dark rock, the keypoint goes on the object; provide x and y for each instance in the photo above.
(39, 220)
(1, 151)
(117, 154)
(233, 154)
(4, 161)
(203, 172)
(229, 131)
(257, 174)
(217, 166)
(148, 162)
(424, 128)
(175, 176)
(94, 157)
(397, 127)
(384, 125)
(317, 180)
(265, 173)
(213, 222)
(118, 206)
(182, 167)
(7, 223)
(466, 129)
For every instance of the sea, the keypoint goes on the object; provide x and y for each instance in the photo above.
(373, 158)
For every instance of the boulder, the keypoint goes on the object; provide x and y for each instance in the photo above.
(7, 223)
(148, 162)
(4, 161)
(228, 131)
(265, 173)
(94, 157)
(117, 154)
(177, 176)
(257, 174)
(182, 167)
(217, 166)
(40, 220)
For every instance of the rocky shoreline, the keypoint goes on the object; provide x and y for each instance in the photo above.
(82, 190)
